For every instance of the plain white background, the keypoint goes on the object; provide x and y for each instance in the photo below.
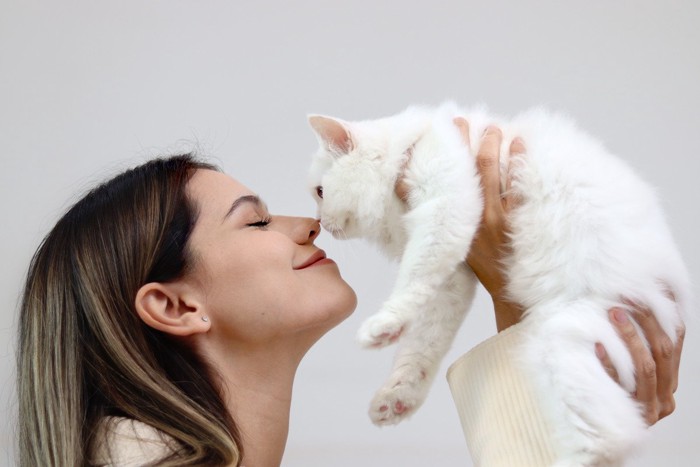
(89, 88)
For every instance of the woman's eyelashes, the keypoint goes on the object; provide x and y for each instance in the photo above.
(262, 223)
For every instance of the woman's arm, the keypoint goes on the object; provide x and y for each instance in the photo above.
(491, 242)
(656, 365)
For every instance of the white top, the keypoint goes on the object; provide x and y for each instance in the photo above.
(502, 423)
(124, 442)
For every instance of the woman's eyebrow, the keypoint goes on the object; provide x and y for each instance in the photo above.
(243, 199)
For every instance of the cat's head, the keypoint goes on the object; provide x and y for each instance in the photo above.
(353, 174)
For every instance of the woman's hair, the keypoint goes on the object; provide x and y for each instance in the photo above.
(84, 353)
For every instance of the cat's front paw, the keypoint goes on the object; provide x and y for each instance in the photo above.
(400, 396)
(380, 330)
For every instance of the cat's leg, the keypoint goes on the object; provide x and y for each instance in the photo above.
(422, 347)
(441, 232)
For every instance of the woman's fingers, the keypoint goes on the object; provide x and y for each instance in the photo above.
(665, 354)
(517, 146)
(655, 357)
(463, 127)
(604, 358)
(680, 337)
(510, 198)
(488, 165)
(644, 364)
(662, 353)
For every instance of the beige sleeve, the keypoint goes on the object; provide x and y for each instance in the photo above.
(125, 442)
(502, 423)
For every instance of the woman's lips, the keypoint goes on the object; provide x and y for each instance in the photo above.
(317, 258)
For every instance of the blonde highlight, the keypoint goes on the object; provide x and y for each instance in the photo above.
(84, 354)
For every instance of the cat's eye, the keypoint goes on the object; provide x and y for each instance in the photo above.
(319, 191)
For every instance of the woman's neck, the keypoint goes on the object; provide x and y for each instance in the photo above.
(258, 391)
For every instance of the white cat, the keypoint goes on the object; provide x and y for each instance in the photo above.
(587, 232)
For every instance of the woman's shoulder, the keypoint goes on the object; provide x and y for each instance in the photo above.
(121, 441)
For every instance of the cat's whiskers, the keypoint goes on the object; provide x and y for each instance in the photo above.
(340, 234)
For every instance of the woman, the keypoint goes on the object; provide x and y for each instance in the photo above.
(164, 318)
(128, 314)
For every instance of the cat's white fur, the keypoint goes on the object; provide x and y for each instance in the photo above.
(586, 233)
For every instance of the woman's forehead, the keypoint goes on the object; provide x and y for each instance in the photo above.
(215, 191)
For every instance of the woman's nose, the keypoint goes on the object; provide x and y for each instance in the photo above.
(314, 229)
(300, 229)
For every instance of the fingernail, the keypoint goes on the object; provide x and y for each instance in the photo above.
(490, 129)
(600, 350)
(620, 316)
(518, 141)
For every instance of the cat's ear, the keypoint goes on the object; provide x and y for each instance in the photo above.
(333, 133)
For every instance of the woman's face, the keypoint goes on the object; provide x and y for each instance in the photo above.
(261, 276)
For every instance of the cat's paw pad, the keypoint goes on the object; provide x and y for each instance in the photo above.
(389, 409)
(398, 399)
(380, 330)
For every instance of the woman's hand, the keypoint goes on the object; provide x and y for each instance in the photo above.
(490, 245)
(655, 367)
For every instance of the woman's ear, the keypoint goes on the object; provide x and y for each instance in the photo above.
(166, 308)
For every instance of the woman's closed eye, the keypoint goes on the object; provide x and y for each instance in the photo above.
(262, 223)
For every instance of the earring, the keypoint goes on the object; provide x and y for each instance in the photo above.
(205, 319)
